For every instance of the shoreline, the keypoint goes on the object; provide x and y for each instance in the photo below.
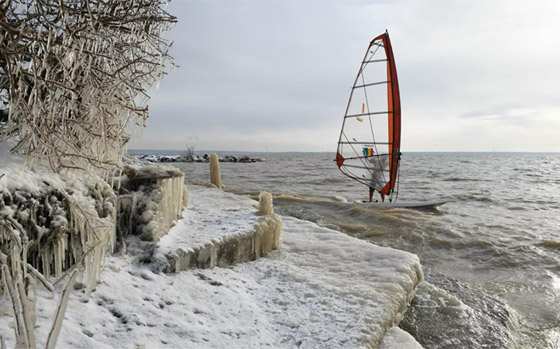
(298, 296)
(319, 288)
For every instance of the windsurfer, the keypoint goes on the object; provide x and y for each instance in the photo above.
(379, 165)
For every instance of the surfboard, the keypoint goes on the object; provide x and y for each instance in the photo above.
(404, 204)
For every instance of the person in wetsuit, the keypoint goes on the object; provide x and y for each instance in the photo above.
(379, 166)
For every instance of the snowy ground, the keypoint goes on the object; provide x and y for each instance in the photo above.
(214, 216)
(321, 289)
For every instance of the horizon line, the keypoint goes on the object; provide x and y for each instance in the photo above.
(327, 152)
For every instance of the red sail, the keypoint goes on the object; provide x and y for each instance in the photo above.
(394, 102)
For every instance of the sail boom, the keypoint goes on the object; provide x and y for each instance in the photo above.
(377, 143)
(375, 61)
(372, 84)
(357, 166)
(363, 157)
(368, 114)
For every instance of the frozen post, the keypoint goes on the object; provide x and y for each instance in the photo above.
(265, 204)
(215, 176)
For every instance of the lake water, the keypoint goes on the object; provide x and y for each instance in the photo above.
(491, 255)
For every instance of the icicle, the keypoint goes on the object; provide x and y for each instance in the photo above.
(61, 309)
(132, 213)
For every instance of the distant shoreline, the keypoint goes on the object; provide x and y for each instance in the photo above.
(230, 152)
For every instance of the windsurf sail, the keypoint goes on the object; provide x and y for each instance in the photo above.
(370, 140)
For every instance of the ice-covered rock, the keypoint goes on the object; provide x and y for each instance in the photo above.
(150, 199)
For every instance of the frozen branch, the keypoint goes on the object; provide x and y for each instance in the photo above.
(73, 73)
(60, 311)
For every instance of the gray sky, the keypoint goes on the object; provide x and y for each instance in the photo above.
(276, 75)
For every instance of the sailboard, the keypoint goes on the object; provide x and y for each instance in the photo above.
(407, 204)
(370, 139)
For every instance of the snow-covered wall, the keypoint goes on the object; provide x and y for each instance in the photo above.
(151, 199)
(255, 238)
(244, 247)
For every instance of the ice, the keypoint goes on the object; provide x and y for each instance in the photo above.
(152, 200)
(396, 338)
(73, 101)
(80, 210)
(12, 167)
(321, 289)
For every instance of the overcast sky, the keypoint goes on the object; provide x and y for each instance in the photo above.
(276, 75)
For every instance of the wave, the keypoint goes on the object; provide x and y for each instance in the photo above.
(457, 179)
(475, 197)
(517, 208)
(489, 321)
(550, 243)
(337, 198)
(308, 198)
(353, 228)
(371, 234)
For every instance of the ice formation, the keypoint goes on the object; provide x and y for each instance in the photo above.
(49, 227)
(215, 176)
(321, 289)
(77, 75)
(53, 226)
(265, 203)
(151, 199)
(247, 237)
(58, 227)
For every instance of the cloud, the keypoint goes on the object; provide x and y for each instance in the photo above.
(511, 114)
(280, 72)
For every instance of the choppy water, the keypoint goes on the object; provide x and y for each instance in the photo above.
(491, 255)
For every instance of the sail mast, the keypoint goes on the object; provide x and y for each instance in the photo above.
(394, 103)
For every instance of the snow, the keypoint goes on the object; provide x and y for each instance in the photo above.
(321, 289)
(217, 215)
(13, 173)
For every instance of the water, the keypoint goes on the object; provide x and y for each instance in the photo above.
(491, 255)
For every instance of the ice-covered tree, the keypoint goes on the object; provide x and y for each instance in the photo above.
(73, 82)
(74, 76)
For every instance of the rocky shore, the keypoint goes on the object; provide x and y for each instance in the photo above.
(197, 158)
